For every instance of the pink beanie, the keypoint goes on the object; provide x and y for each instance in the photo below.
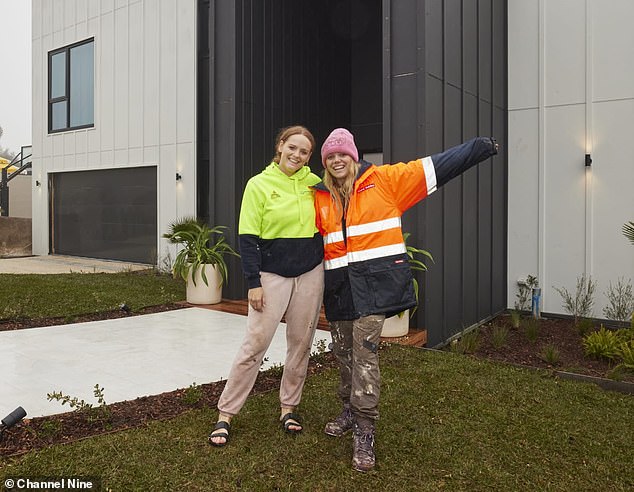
(340, 140)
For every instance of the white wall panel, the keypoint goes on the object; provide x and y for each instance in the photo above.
(70, 10)
(167, 183)
(186, 83)
(151, 63)
(105, 84)
(167, 72)
(93, 8)
(613, 49)
(565, 51)
(107, 6)
(613, 195)
(121, 76)
(564, 183)
(81, 11)
(523, 56)
(58, 15)
(524, 196)
(136, 78)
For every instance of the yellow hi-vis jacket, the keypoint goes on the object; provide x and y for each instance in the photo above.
(365, 260)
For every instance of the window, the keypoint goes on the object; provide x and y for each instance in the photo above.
(71, 87)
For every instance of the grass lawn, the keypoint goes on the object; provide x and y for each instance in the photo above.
(73, 294)
(448, 422)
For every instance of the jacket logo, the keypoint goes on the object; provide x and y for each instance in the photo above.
(366, 187)
(274, 195)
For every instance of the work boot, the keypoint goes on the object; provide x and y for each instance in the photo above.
(363, 458)
(341, 424)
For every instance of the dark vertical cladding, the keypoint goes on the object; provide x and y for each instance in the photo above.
(267, 64)
(445, 72)
(441, 79)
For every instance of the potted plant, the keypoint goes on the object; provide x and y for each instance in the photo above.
(398, 325)
(201, 261)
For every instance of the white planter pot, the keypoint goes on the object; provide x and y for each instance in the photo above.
(396, 326)
(202, 293)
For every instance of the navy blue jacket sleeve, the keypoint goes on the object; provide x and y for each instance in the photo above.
(251, 256)
(456, 160)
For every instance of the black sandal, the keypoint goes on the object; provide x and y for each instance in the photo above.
(217, 432)
(291, 419)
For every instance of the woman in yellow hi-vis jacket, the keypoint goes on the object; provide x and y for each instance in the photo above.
(282, 255)
(358, 209)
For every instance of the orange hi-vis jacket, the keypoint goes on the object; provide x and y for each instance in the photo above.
(365, 260)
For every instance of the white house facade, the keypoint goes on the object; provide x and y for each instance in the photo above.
(571, 93)
(124, 78)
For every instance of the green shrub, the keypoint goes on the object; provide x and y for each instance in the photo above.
(620, 301)
(580, 303)
(601, 344)
(531, 329)
(516, 318)
(192, 394)
(626, 352)
(550, 354)
(585, 326)
(499, 334)
(467, 344)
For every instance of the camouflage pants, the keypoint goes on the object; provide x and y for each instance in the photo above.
(355, 344)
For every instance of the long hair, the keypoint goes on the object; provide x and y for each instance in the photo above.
(289, 131)
(340, 193)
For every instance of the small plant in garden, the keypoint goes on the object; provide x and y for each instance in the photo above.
(320, 348)
(626, 353)
(580, 304)
(531, 329)
(602, 344)
(467, 344)
(550, 355)
(620, 301)
(516, 318)
(499, 334)
(102, 412)
(525, 293)
(49, 429)
(585, 326)
(192, 394)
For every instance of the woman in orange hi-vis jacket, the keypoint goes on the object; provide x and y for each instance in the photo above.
(358, 210)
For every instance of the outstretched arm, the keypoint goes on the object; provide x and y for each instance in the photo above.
(456, 160)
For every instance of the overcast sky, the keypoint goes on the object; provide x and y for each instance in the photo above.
(15, 74)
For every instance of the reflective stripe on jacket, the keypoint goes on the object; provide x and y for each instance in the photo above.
(367, 269)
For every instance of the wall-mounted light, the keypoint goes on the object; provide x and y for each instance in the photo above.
(588, 160)
(37, 183)
(178, 176)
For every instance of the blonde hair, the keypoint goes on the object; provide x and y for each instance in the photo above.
(289, 131)
(340, 193)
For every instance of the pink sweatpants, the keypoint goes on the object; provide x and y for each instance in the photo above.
(300, 298)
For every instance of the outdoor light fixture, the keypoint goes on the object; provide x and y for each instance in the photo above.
(37, 183)
(178, 176)
(588, 160)
(10, 420)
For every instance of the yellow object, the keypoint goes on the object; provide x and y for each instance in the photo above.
(4, 163)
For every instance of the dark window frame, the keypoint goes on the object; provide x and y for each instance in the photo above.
(66, 97)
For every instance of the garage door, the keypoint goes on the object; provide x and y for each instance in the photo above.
(108, 214)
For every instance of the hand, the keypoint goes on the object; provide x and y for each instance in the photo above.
(256, 298)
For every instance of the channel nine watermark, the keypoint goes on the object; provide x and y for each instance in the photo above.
(56, 483)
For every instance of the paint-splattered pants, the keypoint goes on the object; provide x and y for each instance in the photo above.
(355, 344)
(299, 299)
